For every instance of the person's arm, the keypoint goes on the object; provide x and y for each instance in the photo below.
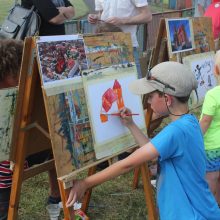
(144, 16)
(50, 13)
(94, 18)
(205, 122)
(147, 152)
(140, 138)
(68, 12)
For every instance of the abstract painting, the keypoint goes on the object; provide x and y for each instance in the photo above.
(7, 110)
(70, 129)
(203, 36)
(202, 65)
(106, 92)
(108, 49)
(61, 57)
(180, 35)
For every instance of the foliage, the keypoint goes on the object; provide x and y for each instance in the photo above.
(5, 5)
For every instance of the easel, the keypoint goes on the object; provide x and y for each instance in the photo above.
(31, 132)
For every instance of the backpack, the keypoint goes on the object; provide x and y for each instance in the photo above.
(20, 23)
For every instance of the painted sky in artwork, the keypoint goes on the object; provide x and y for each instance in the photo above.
(180, 35)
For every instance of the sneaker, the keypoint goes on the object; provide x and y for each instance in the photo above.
(53, 200)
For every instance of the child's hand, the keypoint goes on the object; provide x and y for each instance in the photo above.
(76, 193)
(126, 117)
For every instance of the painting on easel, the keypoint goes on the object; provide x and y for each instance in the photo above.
(202, 65)
(7, 110)
(180, 35)
(61, 57)
(70, 126)
(203, 36)
(108, 49)
(106, 92)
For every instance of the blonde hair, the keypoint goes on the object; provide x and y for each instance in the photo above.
(217, 64)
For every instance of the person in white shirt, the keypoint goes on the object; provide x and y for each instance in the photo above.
(126, 14)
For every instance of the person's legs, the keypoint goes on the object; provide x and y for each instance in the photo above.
(213, 172)
(4, 203)
(218, 189)
(212, 179)
(54, 193)
(137, 61)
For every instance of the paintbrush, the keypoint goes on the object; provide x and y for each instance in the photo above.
(119, 114)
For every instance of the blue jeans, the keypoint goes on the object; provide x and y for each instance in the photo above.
(137, 61)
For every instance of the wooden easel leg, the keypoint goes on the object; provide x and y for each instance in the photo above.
(136, 177)
(17, 179)
(68, 212)
(148, 191)
(87, 196)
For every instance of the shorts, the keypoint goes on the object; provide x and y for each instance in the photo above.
(213, 160)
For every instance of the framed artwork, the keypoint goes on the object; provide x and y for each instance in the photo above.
(60, 57)
(179, 35)
(202, 65)
(7, 110)
(106, 92)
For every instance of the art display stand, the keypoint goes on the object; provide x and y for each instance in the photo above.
(31, 135)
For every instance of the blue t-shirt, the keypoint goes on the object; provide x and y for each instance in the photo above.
(182, 191)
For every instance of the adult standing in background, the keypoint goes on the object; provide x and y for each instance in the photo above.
(213, 11)
(53, 14)
(200, 7)
(126, 14)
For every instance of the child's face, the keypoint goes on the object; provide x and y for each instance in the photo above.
(158, 103)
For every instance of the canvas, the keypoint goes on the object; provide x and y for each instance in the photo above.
(106, 92)
(180, 35)
(7, 110)
(202, 65)
(70, 127)
(60, 57)
(204, 40)
(108, 49)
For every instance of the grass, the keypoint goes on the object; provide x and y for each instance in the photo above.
(113, 200)
(80, 8)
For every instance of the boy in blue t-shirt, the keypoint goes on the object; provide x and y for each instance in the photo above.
(182, 191)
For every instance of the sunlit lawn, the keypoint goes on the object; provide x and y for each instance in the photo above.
(5, 5)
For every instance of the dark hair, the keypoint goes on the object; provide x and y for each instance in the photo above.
(10, 57)
(106, 27)
(183, 99)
